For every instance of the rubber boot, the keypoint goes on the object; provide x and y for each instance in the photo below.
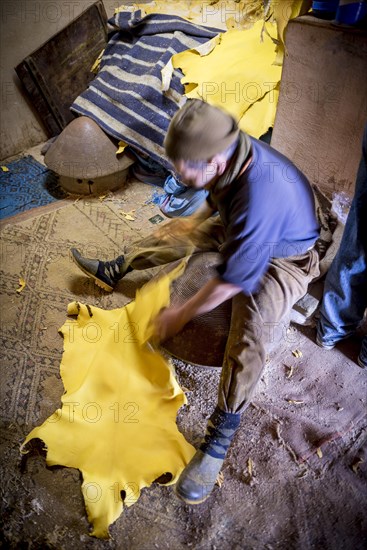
(197, 480)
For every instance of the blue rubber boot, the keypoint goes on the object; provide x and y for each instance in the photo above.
(197, 480)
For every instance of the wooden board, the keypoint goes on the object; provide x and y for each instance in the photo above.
(57, 72)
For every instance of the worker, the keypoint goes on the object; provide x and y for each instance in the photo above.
(265, 233)
(345, 291)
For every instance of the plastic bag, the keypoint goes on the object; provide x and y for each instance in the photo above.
(341, 205)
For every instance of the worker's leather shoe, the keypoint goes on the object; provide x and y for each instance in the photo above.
(361, 362)
(197, 480)
(105, 274)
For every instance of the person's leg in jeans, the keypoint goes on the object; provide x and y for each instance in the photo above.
(252, 322)
(345, 291)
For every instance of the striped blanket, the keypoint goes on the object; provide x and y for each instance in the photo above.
(126, 98)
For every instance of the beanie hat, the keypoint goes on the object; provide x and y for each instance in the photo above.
(198, 131)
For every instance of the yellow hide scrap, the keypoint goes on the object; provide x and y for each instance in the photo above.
(117, 423)
(237, 75)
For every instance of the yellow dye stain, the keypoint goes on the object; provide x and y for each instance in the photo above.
(117, 422)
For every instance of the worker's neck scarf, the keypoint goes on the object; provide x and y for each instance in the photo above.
(233, 170)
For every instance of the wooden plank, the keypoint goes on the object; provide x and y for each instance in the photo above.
(57, 72)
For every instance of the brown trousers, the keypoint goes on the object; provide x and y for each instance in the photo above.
(284, 283)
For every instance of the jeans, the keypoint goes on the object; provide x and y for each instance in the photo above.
(181, 200)
(345, 291)
(178, 200)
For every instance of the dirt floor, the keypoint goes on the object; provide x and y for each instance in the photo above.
(270, 499)
(281, 505)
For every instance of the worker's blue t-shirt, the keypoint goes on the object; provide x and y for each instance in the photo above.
(268, 212)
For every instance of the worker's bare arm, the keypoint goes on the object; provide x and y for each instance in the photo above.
(173, 319)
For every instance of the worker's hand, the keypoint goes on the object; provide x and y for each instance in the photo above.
(168, 323)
